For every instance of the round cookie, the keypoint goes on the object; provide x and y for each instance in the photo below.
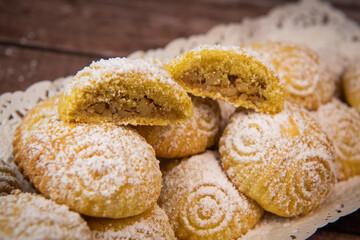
(97, 170)
(30, 216)
(307, 80)
(8, 180)
(203, 204)
(232, 74)
(151, 225)
(282, 161)
(195, 135)
(124, 91)
(351, 84)
(342, 124)
(333, 65)
(38, 116)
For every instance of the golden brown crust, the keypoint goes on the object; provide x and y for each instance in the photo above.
(31, 216)
(342, 124)
(351, 84)
(282, 161)
(203, 204)
(195, 135)
(97, 170)
(38, 116)
(307, 79)
(231, 74)
(124, 91)
(152, 225)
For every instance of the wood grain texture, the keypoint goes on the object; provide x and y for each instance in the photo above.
(21, 67)
(44, 40)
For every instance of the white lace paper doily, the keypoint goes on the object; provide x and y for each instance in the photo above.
(314, 23)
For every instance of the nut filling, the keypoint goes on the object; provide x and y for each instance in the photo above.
(231, 86)
(124, 108)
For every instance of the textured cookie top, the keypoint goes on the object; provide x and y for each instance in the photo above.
(124, 86)
(30, 216)
(352, 71)
(229, 73)
(152, 225)
(265, 152)
(98, 72)
(342, 124)
(201, 130)
(351, 84)
(306, 80)
(202, 203)
(98, 170)
(39, 115)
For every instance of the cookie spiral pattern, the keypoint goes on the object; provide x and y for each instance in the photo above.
(342, 124)
(195, 135)
(201, 202)
(301, 71)
(150, 225)
(351, 84)
(97, 170)
(282, 161)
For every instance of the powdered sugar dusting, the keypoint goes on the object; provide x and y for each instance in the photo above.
(200, 200)
(191, 137)
(241, 51)
(32, 216)
(285, 147)
(301, 72)
(151, 225)
(82, 161)
(106, 70)
(342, 124)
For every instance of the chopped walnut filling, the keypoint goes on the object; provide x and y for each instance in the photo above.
(125, 107)
(230, 85)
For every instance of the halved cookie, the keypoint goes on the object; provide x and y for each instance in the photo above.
(195, 135)
(231, 74)
(124, 91)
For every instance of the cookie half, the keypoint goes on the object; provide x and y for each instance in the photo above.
(124, 91)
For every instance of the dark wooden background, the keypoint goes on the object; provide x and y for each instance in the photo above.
(44, 40)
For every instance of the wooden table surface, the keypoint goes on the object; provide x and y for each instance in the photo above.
(44, 40)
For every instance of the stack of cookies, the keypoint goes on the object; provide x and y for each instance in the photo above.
(195, 148)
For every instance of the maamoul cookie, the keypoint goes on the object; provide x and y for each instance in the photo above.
(151, 225)
(97, 170)
(342, 124)
(333, 65)
(31, 216)
(8, 180)
(38, 116)
(305, 80)
(282, 161)
(195, 135)
(351, 84)
(203, 204)
(124, 91)
(231, 74)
